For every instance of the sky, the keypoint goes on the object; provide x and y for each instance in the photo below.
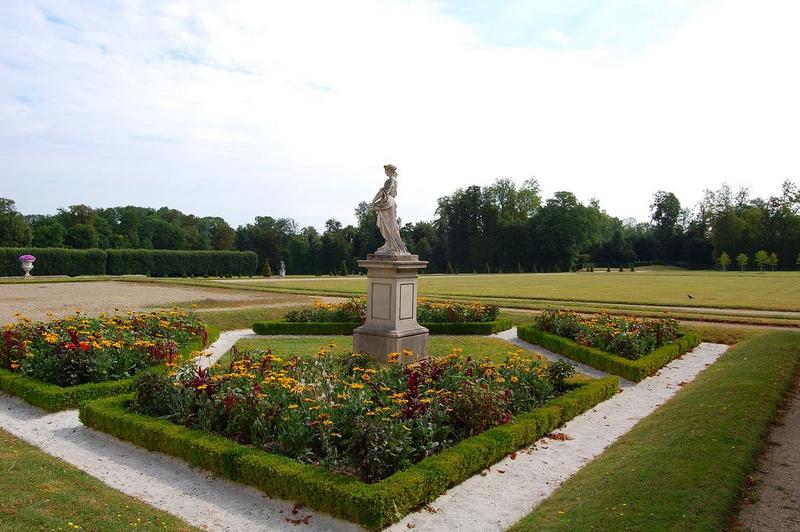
(249, 108)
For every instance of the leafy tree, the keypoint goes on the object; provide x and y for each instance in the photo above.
(742, 260)
(762, 259)
(267, 272)
(49, 233)
(343, 269)
(665, 214)
(773, 260)
(14, 231)
(724, 260)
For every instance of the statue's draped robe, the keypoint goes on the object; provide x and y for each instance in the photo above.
(386, 208)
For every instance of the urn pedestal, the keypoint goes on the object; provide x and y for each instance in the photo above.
(391, 325)
(27, 266)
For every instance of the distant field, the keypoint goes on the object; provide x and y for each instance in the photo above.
(778, 291)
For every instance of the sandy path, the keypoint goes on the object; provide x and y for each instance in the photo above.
(35, 300)
(776, 494)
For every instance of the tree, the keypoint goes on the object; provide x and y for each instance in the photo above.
(742, 260)
(450, 270)
(14, 230)
(773, 260)
(762, 259)
(48, 233)
(724, 261)
(666, 211)
(267, 270)
(343, 269)
(797, 260)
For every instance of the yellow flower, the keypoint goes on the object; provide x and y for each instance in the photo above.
(293, 406)
(356, 386)
(202, 387)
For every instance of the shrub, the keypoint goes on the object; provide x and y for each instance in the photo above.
(163, 263)
(267, 272)
(54, 261)
(171, 263)
(343, 269)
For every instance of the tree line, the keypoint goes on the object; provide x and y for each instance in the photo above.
(502, 227)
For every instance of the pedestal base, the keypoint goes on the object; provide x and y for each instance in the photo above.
(391, 325)
(378, 344)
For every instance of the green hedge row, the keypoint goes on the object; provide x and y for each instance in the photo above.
(371, 505)
(54, 398)
(633, 370)
(291, 328)
(155, 262)
(54, 261)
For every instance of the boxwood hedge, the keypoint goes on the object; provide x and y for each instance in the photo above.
(371, 505)
(155, 262)
(633, 370)
(286, 327)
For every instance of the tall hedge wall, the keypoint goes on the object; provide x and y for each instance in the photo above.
(155, 262)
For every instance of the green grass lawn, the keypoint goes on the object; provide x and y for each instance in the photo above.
(748, 290)
(284, 347)
(40, 492)
(682, 467)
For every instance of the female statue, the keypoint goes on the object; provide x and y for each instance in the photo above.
(386, 208)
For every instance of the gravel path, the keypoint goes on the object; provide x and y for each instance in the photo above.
(776, 495)
(492, 502)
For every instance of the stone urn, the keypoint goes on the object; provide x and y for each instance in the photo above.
(26, 263)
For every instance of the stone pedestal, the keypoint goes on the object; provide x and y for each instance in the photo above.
(391, 325)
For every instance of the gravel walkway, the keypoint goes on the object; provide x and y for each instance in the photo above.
(774, 503)
(492, 502)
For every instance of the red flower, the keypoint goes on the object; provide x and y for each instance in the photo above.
(70, 346)
(84, 345)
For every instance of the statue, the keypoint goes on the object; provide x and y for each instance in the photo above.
(282, 270)
(386, 208)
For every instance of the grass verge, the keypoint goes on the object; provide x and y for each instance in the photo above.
(40, 492)
(682, 468)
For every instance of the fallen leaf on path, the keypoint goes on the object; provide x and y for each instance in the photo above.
(560, 436)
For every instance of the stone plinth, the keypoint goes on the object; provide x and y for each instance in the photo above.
(391, 325)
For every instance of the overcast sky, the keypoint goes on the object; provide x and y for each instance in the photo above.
(289, 109)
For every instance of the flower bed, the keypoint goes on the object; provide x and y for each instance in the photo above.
(354, 310)
(648, 344)
(341, 318)
(625, 336)
(58, 364)
(373, 505)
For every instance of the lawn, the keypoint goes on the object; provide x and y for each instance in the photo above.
(731, 290)
(477, 347)
(682, 467)
(40, 492)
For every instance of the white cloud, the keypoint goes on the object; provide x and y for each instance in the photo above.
(555, 37)
(248, 108)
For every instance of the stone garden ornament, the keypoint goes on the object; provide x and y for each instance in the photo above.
(386, 208)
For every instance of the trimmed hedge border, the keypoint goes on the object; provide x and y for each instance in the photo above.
(633, 370)
(371, 505)
(292, 328)
(155, 262)
(54, 398)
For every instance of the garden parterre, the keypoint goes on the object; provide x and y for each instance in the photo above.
(354, 310)
(346, 413)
